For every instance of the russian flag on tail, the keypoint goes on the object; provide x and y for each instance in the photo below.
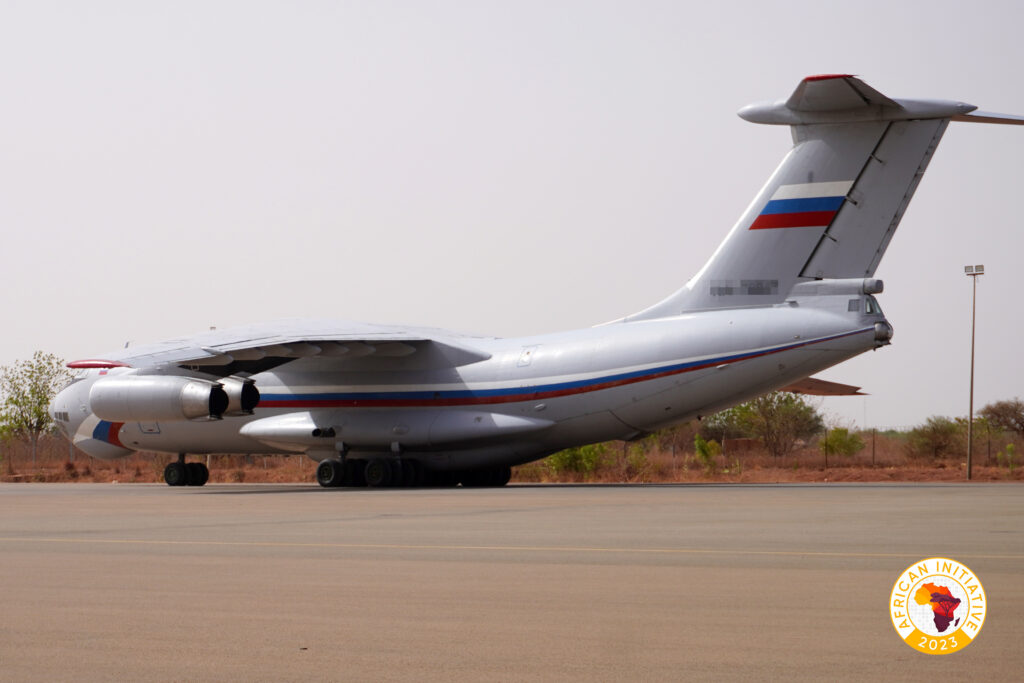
(803, 206)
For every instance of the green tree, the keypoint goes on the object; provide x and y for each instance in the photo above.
(26, 389)
(779, 419)
(1008, 415)
(726, 424)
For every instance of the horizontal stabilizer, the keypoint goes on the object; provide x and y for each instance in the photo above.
(832, 206)
(812, 386)
(835, 92)
(990, 117)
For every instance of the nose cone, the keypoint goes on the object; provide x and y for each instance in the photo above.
(58, 410)
(99, 438)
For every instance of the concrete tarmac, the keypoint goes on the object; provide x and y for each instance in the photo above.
(295, 582)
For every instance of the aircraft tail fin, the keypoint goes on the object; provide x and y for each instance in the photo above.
(831, 207)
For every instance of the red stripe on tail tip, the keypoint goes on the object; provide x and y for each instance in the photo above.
(827, 77)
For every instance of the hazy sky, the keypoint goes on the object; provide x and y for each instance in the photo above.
(501, 168)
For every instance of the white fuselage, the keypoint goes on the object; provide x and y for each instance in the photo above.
(531, 397)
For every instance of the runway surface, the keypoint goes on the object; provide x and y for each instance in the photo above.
(295, 582)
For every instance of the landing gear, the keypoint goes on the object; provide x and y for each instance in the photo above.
(181, 473)
(498, 476)
(198, 475)
(375, 473)
(384, 472)
(176, 474)
(502, 476)
(330, 473)
(378, 472)
(412, 473)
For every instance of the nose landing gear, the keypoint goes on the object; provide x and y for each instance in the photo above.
(181, 473)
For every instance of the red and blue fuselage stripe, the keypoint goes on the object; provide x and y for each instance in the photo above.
(108, 431)
(798, 213)
(459, 397)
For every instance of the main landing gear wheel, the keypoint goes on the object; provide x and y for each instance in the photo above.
(377, 472)
(502, 476)
(498, 476)
(198, 475)
(176, 474)
(181, 473)
(330, 473)
(412, 473)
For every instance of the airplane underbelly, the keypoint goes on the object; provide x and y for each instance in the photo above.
(707, 391)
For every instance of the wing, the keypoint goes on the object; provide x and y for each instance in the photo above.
(249, 350)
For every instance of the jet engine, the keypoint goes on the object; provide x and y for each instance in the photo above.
(153, 398)
(243, 396)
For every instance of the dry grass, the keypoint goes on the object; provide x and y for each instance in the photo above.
(53, 465)
(883, 459)
(663, 460)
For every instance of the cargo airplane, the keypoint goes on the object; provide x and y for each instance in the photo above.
(788, 293)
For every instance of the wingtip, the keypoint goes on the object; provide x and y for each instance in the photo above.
(96, 363)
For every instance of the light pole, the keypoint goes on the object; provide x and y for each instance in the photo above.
(972, 272)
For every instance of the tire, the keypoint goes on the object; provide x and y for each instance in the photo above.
(502, 476)
(197, 473)
(397, 473)
(377, 472)
(409, 468)
(176, 474)
(330, 472)
(475, 478)
(440, 478)
(355, 473)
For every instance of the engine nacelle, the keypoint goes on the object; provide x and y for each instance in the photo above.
(243, 396)
(153, 398)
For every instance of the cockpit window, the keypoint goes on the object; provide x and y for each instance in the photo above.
(871, 306)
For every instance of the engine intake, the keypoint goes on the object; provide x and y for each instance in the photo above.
(154, 398)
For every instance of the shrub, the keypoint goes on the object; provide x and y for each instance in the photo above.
(584, 460)
(706, 453)
(841, 441)
(1008, 457)
(637, 466)
(938, 438)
